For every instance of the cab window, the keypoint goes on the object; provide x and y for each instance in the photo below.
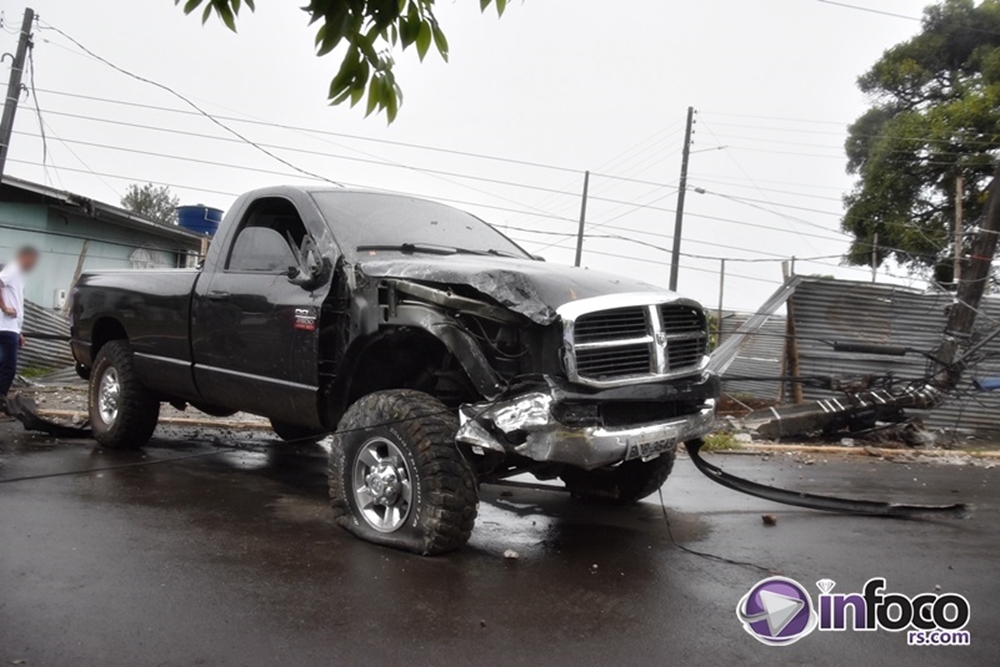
(266, 238)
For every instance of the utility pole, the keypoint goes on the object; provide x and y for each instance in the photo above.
(679, 219)
(959, 231)
(722, 287)
(583, 218)
(14, 87)
(969, 292)
(875, 257)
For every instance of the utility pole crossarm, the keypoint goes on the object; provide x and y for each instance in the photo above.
(14, 87)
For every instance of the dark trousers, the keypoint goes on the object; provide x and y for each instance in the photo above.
(9, 344)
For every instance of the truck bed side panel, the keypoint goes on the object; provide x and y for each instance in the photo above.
(154, 309)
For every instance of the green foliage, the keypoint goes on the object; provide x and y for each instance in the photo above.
(935, 116)
(368, 31)
(152, 202)
(720, 442)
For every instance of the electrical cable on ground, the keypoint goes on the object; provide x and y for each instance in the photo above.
(704, 554)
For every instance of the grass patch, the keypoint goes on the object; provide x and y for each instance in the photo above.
(719, 442)
(32, 372)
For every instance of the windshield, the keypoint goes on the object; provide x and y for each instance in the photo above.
(378, 221)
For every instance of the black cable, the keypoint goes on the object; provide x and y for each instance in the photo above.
(119, 466)
(703, 554)
(38, 109)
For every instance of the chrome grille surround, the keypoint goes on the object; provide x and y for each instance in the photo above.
(606, 344)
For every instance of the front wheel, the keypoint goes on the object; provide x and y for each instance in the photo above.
(396, 476)
(627, 483)
(123, 413)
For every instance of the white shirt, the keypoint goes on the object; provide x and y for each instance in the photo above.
(12, 279)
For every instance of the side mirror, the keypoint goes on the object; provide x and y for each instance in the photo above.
(313, 269)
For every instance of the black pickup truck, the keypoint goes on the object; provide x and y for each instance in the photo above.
(437, 352)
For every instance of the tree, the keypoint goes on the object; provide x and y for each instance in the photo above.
(369, 30)
(935, 117)
(152, 202)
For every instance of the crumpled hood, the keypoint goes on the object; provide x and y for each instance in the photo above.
(530, 288)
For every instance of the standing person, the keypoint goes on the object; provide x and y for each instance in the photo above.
(12, 315)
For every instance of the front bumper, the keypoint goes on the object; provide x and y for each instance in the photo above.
(525, 425)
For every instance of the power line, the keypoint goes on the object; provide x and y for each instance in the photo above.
(784, 119)
(233, 194)
(632, 205)
(901, 16)
(739, 166)
(344, 135)
(308, 152)
(189, 103)
(38, 111)
(804, 195)
(870, 10)
(894, 137)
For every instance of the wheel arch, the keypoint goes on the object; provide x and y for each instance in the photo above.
(394, 358)
(105, 330)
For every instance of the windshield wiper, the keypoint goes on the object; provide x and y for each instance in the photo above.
(432, 249)
(410, 248)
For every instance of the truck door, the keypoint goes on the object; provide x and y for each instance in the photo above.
(254, 332)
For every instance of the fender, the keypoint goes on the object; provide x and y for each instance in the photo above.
(458, 341)
(425, 318)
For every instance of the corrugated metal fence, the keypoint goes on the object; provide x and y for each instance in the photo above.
(760, 357)
(44, 355)
(834, 310)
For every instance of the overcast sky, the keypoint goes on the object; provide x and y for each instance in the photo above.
(560, 83)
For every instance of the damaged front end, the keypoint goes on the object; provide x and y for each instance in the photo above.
(633, 386)
(555, 424)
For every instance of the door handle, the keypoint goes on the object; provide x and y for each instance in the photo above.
(217, 296)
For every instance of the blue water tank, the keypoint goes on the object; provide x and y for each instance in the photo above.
(199, 219)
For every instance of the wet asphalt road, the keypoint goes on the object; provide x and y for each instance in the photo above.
(232, 559)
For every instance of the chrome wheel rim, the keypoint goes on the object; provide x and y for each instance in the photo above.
(109, 396)
(383, 485)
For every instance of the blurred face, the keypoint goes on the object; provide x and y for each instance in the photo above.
(27, 261)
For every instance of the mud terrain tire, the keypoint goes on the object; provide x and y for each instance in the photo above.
(127, 417)
(396, 476)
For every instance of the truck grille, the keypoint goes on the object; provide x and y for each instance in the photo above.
(635, 343)
(603, 363)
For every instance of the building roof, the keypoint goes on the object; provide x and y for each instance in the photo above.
(36, 192)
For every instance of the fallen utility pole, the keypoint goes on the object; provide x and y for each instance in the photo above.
(14, 87)
(675, 260)
(858, 411)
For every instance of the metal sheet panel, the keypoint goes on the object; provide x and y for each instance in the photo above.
(759, 357)
(44, 355)
(828, 311)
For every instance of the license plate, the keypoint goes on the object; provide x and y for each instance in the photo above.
(650, 447)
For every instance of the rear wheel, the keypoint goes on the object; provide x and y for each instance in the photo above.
(396, 476)
(296, 434)
(627, 483)
(123, 413)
